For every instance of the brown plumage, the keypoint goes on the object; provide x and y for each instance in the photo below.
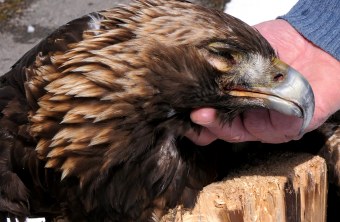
(93, 118)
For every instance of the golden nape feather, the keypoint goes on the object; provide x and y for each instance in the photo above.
(93, 118)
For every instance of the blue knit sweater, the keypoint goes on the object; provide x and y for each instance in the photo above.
(319, 22)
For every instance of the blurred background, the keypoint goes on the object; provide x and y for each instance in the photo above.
(23, 23)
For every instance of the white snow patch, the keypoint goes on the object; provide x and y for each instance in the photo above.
(30, 29)
(256, 11)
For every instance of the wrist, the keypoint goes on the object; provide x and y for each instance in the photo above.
(317, 21)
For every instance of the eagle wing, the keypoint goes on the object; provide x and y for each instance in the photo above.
(17, 146)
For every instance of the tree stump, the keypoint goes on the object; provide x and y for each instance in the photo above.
(287, 187)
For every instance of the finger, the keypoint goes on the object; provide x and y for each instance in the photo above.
(270, 126)
(204, 117)
(257, 122)
(234, 132)
(204, 138)
(289, 126)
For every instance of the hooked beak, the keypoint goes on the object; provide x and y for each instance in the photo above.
(291, 95)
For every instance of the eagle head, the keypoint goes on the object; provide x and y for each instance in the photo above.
(198, 57)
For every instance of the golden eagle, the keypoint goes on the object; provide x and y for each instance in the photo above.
(93, 118)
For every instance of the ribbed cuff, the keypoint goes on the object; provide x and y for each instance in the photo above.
(319, 22)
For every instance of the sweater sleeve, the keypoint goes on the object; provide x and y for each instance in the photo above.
(319, 22)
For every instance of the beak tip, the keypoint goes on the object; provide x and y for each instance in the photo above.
(308, 110)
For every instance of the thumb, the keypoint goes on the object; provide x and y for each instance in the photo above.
(234, 132)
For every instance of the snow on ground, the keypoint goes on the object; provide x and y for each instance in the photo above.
(256, 11)
(33, 220)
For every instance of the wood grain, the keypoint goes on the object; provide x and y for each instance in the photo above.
(287, 187)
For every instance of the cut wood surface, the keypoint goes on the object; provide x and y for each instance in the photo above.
(288, 187)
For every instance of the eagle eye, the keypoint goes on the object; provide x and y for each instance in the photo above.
(221, 49)
(221, 56)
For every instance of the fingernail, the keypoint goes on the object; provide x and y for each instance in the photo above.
(204, 116)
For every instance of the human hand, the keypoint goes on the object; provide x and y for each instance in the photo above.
(318, 67)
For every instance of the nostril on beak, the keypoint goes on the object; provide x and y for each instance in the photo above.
(278, 77)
